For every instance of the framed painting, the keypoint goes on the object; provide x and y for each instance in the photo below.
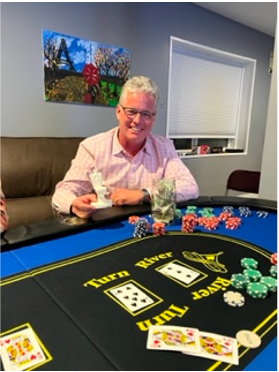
(83, 71)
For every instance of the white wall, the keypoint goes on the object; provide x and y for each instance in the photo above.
(143, 28)
(268, 183)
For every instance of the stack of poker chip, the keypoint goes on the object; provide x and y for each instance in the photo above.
(224, 216)
(189, 222)
(256, 285)
(191, 209)
(228, 208)
(262, 214)
(207, 212)
(245, 211)
(141, 228)
(159, 228)
(211, 223)
(133, 219)
(202, 221)
(249, 263)
(178, 213)
(273, 268)
(239, 281)
(270, 283)
(257, 290)
(233, 223)
(252, 275)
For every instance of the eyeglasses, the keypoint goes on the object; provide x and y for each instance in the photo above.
(131, 113)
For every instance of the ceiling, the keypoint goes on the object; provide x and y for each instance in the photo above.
(260, 16)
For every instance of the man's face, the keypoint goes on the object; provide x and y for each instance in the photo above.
(134, 126)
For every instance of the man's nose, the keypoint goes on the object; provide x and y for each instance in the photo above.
(137, 117)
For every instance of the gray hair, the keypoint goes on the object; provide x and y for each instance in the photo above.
(139, 84)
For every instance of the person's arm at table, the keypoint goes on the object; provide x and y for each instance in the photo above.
(74, 194)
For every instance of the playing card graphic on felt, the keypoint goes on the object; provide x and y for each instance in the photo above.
(173, 338)
(217, 347)
(20, 350)
(179, 272)
(131, 296)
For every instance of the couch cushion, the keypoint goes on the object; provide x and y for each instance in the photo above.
(23, 211)
(32, 166)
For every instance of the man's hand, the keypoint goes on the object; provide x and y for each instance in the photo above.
(82, 205)
(126, 196)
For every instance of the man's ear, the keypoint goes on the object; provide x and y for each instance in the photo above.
(117, 111)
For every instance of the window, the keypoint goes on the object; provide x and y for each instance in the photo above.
(209, 96)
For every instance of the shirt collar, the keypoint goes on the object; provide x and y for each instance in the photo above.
(117, 148)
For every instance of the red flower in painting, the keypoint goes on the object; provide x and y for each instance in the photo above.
(91, 74)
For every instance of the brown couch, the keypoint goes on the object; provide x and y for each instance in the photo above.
(30, 169)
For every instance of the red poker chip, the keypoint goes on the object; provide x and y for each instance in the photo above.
(273, 259)
(133, 219)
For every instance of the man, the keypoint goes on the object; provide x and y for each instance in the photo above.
(129, 157)
(3, 211)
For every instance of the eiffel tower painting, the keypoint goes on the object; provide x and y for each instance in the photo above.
(83, 71)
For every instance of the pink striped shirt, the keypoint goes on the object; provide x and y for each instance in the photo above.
(103, 152)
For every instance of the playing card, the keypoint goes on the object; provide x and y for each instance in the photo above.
(173, 338)
(217, 347)
(20, 350)
(131, 296)
(179, 272)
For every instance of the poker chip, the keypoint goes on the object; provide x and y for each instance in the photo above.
(249, 263)
(248, 339)
(273, 271)
(191, 209)
(269, 282)
(252, 275)
(245, 211)
(133, 219)
(159, 228)
(262, 214)
(233, 223)
(141, 228)
(274, 258)
(178, 213)
(225, 216)
(189, 222)
(207, 212)
(228, 208)
(257, 290)
(234, 299)
(211, 223)
(239, 281)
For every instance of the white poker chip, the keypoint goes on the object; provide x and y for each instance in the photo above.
(248, 339)
(234, 299)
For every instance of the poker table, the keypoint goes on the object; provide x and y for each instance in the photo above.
(62, 279)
